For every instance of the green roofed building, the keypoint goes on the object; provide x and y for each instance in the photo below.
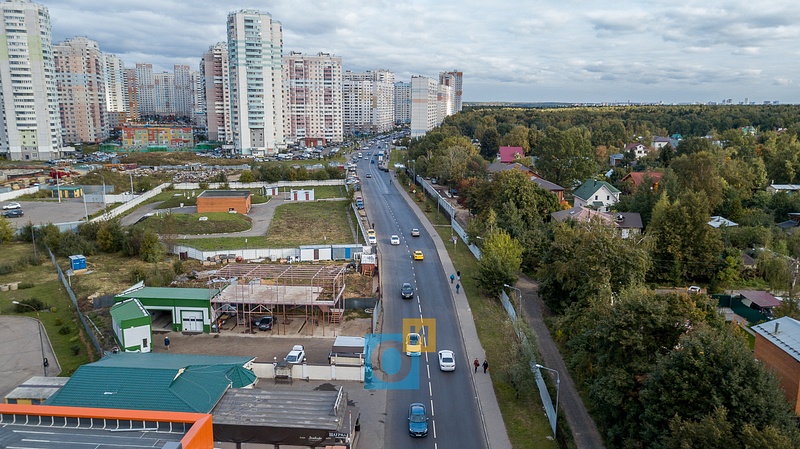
(189, 309)
(155, 381)
(132, 326)
(598, 195)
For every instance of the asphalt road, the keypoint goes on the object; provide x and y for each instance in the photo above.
(51, 211)
(454, 418)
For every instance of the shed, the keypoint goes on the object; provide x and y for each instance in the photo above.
(35, 390)
(238, 201)
(77, 262)
(760, 301)
(314, 253)
(301, 195)
(188, 309)
(347, 351)
(132, 326)
(67, 191)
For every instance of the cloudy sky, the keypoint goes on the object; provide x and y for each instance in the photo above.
(509, 50)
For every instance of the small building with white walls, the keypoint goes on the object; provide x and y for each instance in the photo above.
(132, 326)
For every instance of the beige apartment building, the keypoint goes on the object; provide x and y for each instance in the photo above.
(312, 98)
(368, 101)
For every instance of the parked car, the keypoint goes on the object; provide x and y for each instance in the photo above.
(10, 206)
(415, 232)
(296, 355)
(406, 291)
(13, 213)
(394, 240)
(264, 323)
(447, 361)
(417, 420)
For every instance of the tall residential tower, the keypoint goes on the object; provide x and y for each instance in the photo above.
(368, 101)
(30, 126)
(313, 98)
(255, 54)
(216, 87)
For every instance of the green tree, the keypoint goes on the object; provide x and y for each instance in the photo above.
(519, 136)
(247, 176)
(565, 157)
(6, 230)
(501, 258)
(151, 249)
(490, 142)
(699, 172)
(709, 369)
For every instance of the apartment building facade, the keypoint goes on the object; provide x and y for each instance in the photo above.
(424, 105)
(368, 102)
(255, 55)
(81, 80)
(312, 98)
(453, 80)
(402, 102)
(131, 96)
(30, 124)
(116, 92)
(215, 77)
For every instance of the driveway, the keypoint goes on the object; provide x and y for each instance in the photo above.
(583, 428)
(21, 356)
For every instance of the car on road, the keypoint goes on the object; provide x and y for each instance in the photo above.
(264, 323)
(406, 291)
(296, 355)
(13, 213)
(10, 206)
(417, 420)
(418, 255)
(394, 240)
(413, 344)
(415, 232)
(369, 175)
(447, 361)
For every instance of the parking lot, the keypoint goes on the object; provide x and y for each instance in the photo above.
(42, 212)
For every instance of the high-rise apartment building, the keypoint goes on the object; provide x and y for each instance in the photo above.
(198, 101)
(164, 94)
(444, 96)
(145, 89)
(424, 105)
(131, 96)
(313, 98)
(30, 125)
(368, 101)
(255, 55)
(453, 79)
(402, 102)
(217, 94)
(81, 81)
(183, 90)
(116, 92)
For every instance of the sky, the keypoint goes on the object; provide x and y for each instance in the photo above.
(589, 51)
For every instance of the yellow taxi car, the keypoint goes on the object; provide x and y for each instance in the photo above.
(413, 344)
(418, 255)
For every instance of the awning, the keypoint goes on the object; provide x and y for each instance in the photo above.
(761, 298)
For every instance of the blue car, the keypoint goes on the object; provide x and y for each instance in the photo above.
(417, 420)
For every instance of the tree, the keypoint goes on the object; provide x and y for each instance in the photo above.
(6, 231)
(709, 369)
(565, 157)
(247, 176)
(699, 172)
(151, 249)
(519, 136)
(490, 142)
(501, 258)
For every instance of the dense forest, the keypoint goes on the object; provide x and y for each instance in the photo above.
(657, 370)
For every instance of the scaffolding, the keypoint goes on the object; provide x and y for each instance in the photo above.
(312, 293)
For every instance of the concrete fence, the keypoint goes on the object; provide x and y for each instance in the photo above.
(307, 371)
(259, 185)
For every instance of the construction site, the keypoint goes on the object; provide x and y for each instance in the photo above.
(311, 294)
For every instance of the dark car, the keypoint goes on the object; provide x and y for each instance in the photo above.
(13, 213)
(406, 291)
(417, 420)
(264, 323)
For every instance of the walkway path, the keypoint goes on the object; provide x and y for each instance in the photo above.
(583, 428)
(494, 427)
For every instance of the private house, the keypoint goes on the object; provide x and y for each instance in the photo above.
(554, 188)
(789, 188)
(629, 224)
(633, 180)
(639, 150)
(660, 142)
(616, 159)
(238, 201)
(598, 195)
(777, 346)
(721, 222)
(510, 154)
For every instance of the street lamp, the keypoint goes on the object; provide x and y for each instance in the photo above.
(519, 296)
(105, 207)
(558, 384)
(45, 363)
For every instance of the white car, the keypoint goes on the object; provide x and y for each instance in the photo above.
(447, 361)
(10, 206)
(395, 240)
(296, 355)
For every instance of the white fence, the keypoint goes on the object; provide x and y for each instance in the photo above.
(8, 196)
(119, 210)
(259, 185)
(306, 371)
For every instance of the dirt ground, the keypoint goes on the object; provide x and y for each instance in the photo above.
(263, 345)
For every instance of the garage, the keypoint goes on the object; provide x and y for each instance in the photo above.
(192, 321)
(174, 309)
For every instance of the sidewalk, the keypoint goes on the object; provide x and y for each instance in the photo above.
(493, 425)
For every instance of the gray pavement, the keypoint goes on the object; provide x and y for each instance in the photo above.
(494, 427)
(21, 353)
(584, 431)
(41, 212)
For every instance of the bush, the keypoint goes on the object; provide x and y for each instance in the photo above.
(64, 330)
(76, 349)
(58, 322)
(24, 285)
(27, 304)
(6, 269)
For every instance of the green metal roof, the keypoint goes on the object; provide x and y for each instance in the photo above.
(588, 188)
(170, 293)
(151, 360)
(127, 310)
(123, 382)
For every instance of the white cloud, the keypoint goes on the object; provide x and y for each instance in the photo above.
(567, 50)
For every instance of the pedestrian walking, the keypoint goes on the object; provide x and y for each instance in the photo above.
(476, 363)
(485, 366)
(457, 287)
(458, 274)
(452, 277)
(166, 342)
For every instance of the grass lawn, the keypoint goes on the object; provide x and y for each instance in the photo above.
(60, 313)
(190, 224)
(312, 223)
(525, 421)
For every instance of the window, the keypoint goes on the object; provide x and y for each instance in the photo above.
(144, 343)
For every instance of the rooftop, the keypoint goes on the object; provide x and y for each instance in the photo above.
(784, 333)
(128, 309)
(169, 292)
(225, 194)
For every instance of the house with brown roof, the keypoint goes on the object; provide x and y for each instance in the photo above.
(639, 150)
(510, 154)
(635, 179)
(556, 189)
(629, 224)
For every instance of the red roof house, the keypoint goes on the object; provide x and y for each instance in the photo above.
(510, 154)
